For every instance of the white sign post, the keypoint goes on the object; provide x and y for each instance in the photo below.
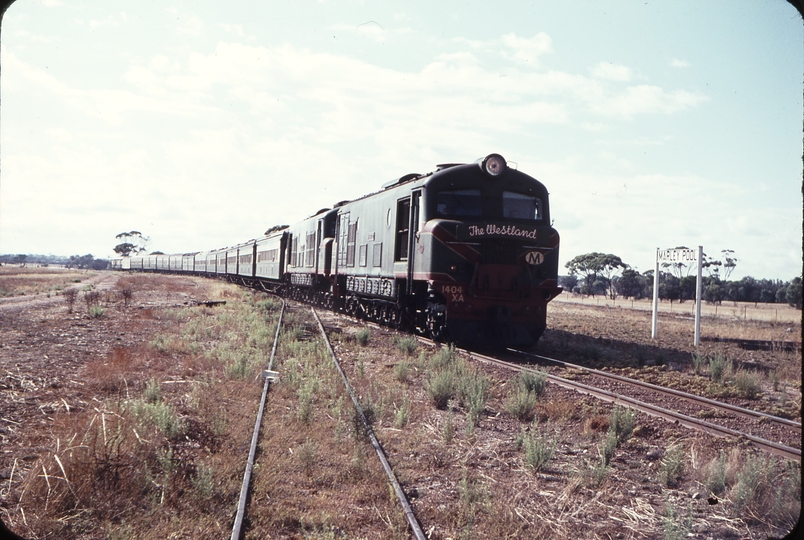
(679, 256)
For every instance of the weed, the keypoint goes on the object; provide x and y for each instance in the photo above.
(402, 414)
(443, 358)
(747, 383)
(473, 391)
(407, 345)
(719, 368)
(538, 451)
(521, 405)
(203, 481)
(673, 527)
(307, 454)
(402, 371)
(362, 336)
(440, 387)
(595, 475)
(698, 361)
(153, 391)
(607, 447)
(622, 422)
(305, 411)
(715, 480)
(96, 312)
(70, 296)
(361, 368)
(448, 428)
(671, 468)
(533, 381)
(160, 415)
(754, 483)
(775, 379)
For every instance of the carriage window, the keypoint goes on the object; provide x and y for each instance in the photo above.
(519, 206)
(459, 202)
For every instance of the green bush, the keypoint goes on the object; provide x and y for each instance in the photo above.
(533, 381)
(671, 468)
(363, 335)
(538, 451)
(521, 405)
(622, 423)
(440, 387)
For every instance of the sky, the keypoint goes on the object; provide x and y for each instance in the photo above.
(653, 124)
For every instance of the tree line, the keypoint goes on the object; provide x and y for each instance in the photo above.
(606, 274)
(73, 261)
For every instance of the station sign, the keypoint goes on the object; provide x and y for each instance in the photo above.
(676, 255)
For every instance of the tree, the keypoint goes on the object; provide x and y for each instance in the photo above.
(132, 243)
(596, 268)
(794, 293)
(631, 284)
(729, 262)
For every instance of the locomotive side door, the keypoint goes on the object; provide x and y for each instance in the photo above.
(342, 235)
(413, 235)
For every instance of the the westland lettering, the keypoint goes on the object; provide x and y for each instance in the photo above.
(505, 230)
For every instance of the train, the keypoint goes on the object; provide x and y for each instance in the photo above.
(466, 254)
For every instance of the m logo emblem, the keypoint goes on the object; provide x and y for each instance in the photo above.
(534, 258)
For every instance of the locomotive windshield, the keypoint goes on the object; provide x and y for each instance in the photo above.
(520, 206)
(463, 203)
(459, 202)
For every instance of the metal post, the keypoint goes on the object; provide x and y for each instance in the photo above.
(698, 287)
(655, 296)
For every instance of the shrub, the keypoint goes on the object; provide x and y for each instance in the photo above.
(203, 481)
(607, 447)
(698, 361)
(538, 451)
(673, 527)
(153, 391)
(715, 480)
(70, 296)
(521, 404)
(402, 414)
(402, 371)
(363, 335)
(407, 345)
(671, 468)
(719, 368)
(622, 423)
(533, 381)
(473, 392)
(748, 383)
(440, 387)
(96, 312)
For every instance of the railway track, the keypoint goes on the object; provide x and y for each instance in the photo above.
(616, 393)
(269, 376)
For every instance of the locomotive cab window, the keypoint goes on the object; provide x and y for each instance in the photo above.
(521, 206)
(459, 202)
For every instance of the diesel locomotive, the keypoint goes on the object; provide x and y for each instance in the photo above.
(465, 253)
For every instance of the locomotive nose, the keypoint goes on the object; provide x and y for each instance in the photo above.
(500, 314)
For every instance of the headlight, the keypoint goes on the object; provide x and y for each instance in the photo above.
(494, 164)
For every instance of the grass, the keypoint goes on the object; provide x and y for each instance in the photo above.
(538, 450)
(671, 468)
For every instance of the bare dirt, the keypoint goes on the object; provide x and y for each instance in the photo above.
(67, 381)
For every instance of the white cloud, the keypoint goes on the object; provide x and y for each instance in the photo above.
(612, 72)
(528, 50)
(675, 62)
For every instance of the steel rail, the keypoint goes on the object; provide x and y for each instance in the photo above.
(400, 493)
(653, 410)
(241, 506)
(748, 413)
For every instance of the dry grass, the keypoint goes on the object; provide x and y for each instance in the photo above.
(15, 281)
